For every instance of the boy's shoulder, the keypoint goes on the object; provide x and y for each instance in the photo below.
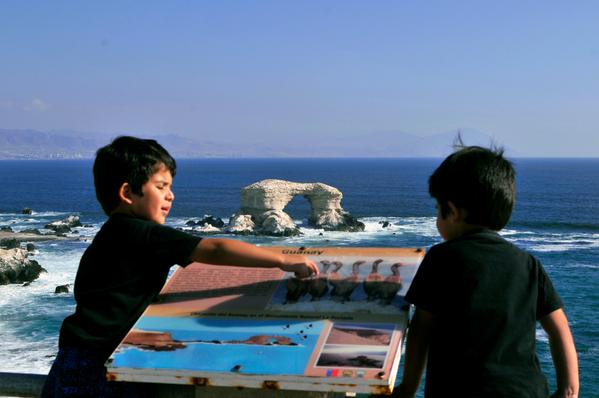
(124, 233)
(477, 236)
(129, 228)
(120, 222)
(130, 224)
(122, 219)
(480, 242)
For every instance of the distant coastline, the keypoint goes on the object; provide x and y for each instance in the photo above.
(16, 144)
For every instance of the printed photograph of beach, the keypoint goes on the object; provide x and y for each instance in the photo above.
(349, 356)
(219, 345)
(360, 334)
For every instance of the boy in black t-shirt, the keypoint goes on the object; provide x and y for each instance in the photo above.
(127, 263)
(478, 297)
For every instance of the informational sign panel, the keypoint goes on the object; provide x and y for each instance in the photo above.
(264, 328)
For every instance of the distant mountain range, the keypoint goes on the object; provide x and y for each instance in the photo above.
(32, 144)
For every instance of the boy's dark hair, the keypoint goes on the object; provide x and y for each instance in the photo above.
(479, 180)
(127, 159)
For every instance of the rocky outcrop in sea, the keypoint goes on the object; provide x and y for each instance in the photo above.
(263, 204)
(17, 267)
(64, 226)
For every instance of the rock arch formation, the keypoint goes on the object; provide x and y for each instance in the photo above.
(263, 204)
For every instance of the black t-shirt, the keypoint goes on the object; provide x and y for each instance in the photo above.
(486, 296)
(120, 273)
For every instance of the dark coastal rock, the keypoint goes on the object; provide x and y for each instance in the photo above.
(16, 267)
(60, 230)
(9, 243)
(64, 226)
(288, 232)
(207, 226)
(31, 231)
(6, 228)
(349, 223)
(27, 210)
(207, 220)
(215, 222)
(385, 224)
(61, 289)
(30, 247)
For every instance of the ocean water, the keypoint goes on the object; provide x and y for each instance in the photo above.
(556, 219)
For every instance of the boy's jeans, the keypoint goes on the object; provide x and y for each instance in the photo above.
(79, 372)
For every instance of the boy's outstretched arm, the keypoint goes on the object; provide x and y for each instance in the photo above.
(419, 334)
(563, 353)
(219, 251)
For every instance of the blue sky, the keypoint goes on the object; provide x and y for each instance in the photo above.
(525, 73)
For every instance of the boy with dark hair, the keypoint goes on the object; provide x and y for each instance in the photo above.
(478, 297)
(127, 263)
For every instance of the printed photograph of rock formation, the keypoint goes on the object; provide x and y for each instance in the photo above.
(356, 346)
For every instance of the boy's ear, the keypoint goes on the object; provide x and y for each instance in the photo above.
(455, 213)
(126, 193)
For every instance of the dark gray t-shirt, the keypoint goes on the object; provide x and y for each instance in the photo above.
(486, 296)
(120, 273)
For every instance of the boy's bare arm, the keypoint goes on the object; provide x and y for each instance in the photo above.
(233, 252)
(416, 353)
(563, 352)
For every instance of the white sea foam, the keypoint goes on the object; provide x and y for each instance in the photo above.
(22, 356)
(555, 248)
(373, 232)
(422, 226)
(31, 315)
(580, 265)
(51, 213)
(541, 336)
(553, 242)
(35, 213)
(511, 232)
(375, 224)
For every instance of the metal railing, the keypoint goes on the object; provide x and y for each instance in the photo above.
(30, 385)
(21, 384)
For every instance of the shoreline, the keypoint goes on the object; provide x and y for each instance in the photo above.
(27, 237)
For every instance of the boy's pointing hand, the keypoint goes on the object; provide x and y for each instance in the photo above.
(302, 266)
